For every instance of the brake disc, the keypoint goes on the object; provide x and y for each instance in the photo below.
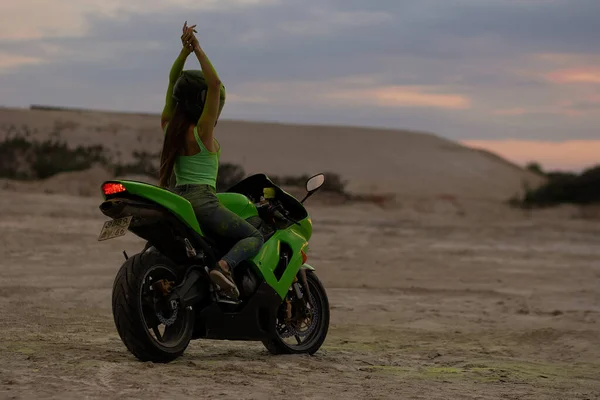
(290, 329)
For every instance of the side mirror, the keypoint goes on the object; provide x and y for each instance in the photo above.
(315, 183)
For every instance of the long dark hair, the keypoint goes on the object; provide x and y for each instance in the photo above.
(174, 142)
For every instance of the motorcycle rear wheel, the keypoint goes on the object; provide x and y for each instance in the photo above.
(138, 308)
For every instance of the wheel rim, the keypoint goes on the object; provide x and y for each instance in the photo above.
(305, 331)
(166, 327)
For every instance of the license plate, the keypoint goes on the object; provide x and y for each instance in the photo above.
(114, 228)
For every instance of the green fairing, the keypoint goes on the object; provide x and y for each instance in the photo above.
(171, 201)
(268, 258)
(238, 204)
(305, 228)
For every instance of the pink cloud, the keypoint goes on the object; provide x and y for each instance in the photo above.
(352, 91)
(408, 96)
(402, 96)
(577, 106)
(10, 61)
(571, 154)
(36, 19)
(565, 60)
(587, 105)
(575, 75)
(556, 58)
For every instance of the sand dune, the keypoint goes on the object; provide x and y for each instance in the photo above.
(404, 163)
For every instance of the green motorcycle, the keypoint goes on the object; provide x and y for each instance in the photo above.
(163, 298)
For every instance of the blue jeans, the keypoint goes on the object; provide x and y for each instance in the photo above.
(216, 220)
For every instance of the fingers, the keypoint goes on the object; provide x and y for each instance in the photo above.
(188, 33)
(190, 28)
(185, 26)
(188, 38)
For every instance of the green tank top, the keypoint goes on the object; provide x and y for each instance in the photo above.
(199, 169)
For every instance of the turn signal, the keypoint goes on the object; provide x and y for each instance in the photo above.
(304, 257)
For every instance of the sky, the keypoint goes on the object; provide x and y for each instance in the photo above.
(518, 77)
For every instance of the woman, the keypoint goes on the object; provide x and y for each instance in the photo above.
(194, 103)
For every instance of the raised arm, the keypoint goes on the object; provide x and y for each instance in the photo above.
(174, 74)
(210, 113)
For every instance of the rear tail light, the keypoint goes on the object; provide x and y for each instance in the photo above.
(304, 257)
(113, 188)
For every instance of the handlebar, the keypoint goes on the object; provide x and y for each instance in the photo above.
(283, 214)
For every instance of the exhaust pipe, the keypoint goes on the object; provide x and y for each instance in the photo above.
(112, 208)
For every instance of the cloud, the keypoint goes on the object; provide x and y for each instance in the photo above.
(575, 75)
(10, 62)
(325, 21)
(567, 155)
(400, 96)
(572, 108)
(350, 91)
(553, 27)
(463, 69)
(36, 19)
(511, 111)
(579, 107)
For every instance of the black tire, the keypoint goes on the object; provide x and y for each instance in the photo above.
(278, 346)
(128, 310)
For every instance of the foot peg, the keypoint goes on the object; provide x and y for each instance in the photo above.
(226, 300)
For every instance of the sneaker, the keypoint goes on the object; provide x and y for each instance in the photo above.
(225, 282)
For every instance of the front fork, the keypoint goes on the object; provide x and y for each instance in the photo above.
(304, 282)
(303, 297)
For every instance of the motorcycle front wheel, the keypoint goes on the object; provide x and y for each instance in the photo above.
(302, 331)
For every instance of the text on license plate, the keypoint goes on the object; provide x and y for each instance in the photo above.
(114, 228)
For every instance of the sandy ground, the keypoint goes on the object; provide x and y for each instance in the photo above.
(424, 306)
